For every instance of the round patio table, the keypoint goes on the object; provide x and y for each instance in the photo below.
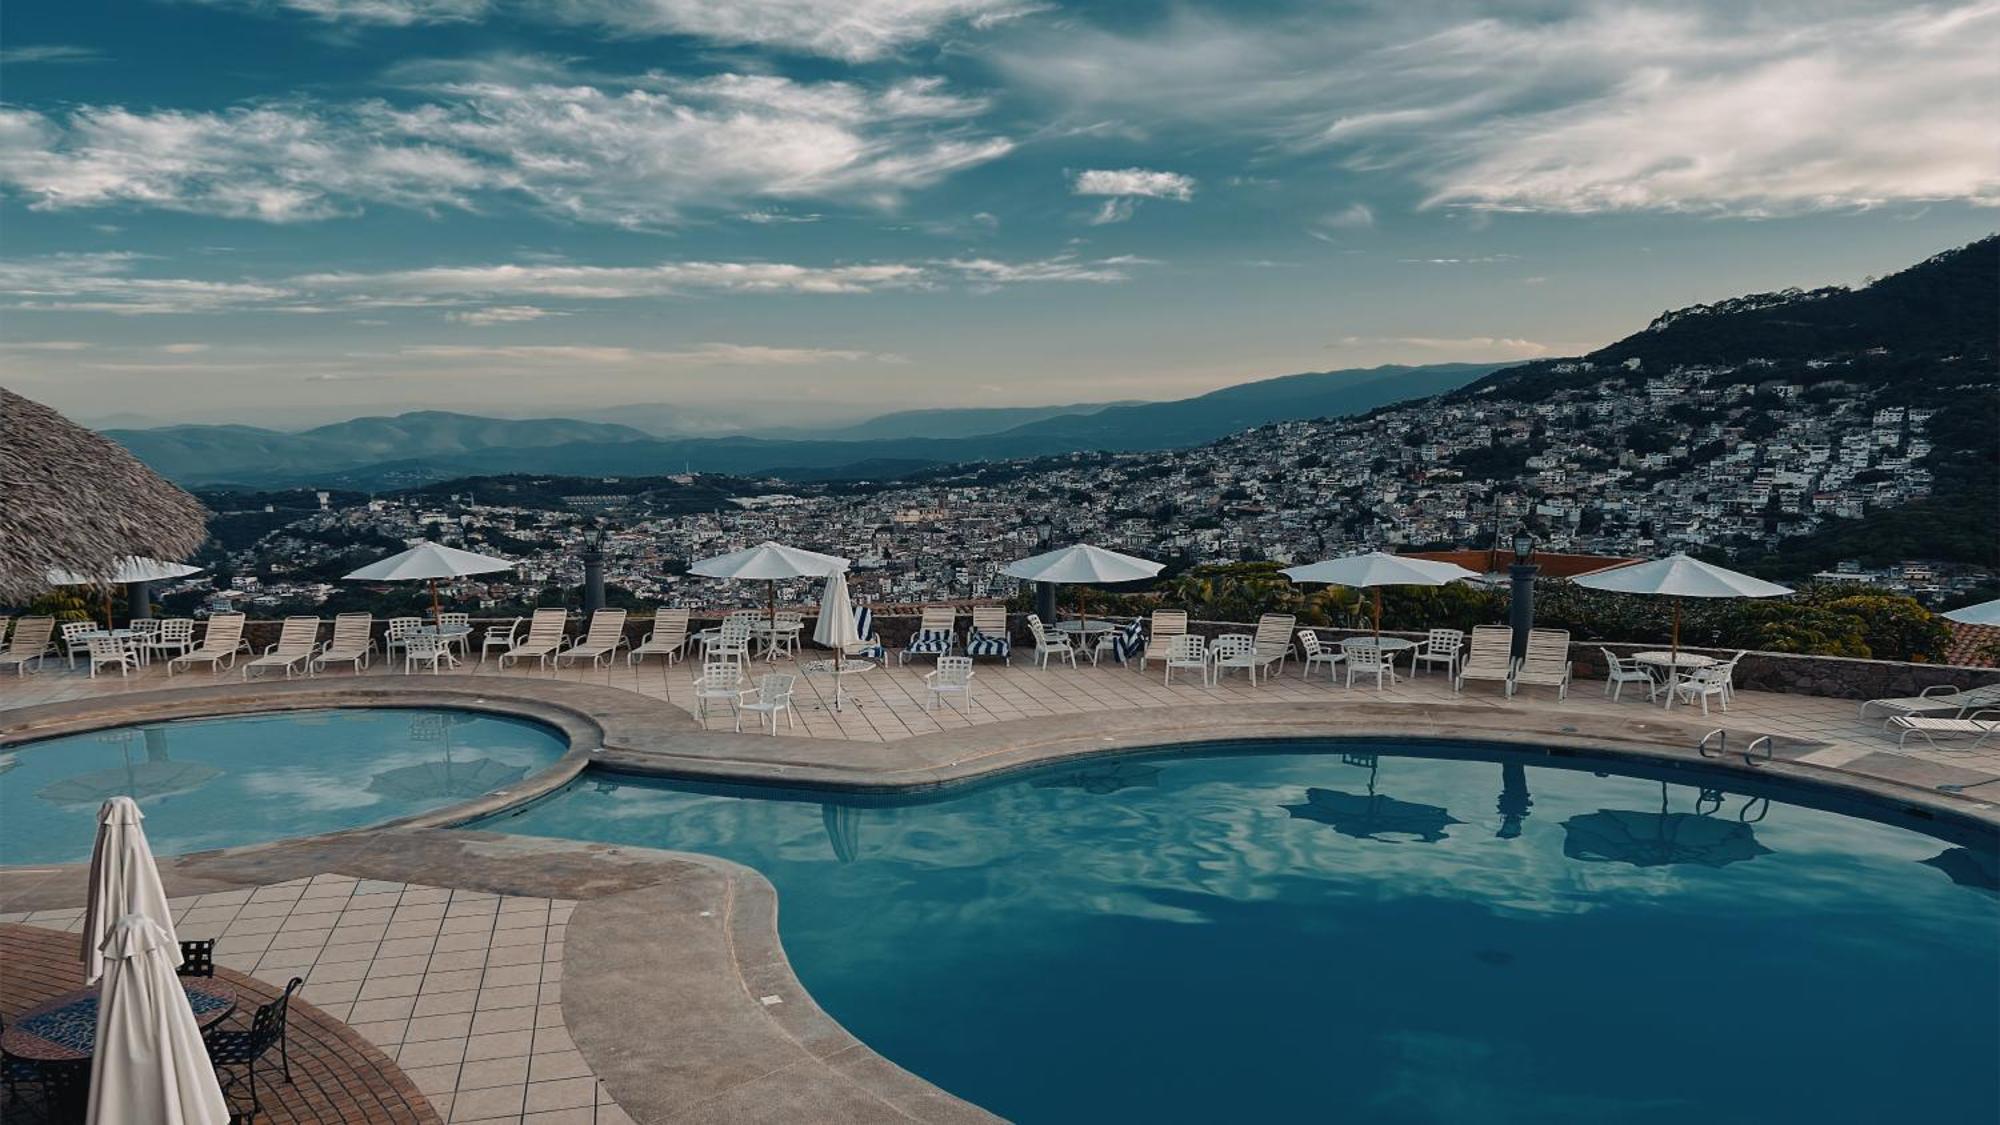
(1670, 665)
(848, 667)
(64, 1028)
(1084, 628)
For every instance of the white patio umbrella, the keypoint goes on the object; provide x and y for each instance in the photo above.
(1680, 576)
(131, 568)
(1082, 565)
(1985, 613)
(836, 628)
(148, 1063)
(1377, 569)
(123, 880)
(429, 561)
(770, 563)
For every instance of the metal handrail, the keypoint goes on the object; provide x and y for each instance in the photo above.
(1750, 751)
(1721, 739)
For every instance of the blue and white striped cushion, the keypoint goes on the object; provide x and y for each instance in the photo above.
(870, 647)
(986, 644)
(928, 641)
(1129, 641)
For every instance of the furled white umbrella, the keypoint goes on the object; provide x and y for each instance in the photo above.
(148, 1063)
(836, 628)
(428, 561)
(130, 569)
(1680, 576)
(1377, 569)
(1082, 565)
(123, 880)
(770, 563)
(1985, 613)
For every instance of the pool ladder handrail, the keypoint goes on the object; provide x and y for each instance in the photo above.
(1720, 740)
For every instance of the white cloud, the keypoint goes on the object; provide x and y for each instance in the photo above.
(183, 349)
(638, 153)
(48, 53)
(102, 282)
(1575, 106)
(1134, 182)
(384, 13)
(44, 345)
(1354, 216)
(501, 314)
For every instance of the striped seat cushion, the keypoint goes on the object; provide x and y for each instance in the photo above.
(930, 640)
(870, 647)
(987, 644)
(1129, 641)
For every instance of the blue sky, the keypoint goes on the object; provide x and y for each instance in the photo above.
(782, 211)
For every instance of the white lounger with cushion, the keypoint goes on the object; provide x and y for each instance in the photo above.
(1979, 727)
(1941, 697)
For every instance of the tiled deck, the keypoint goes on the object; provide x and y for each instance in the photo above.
(887, 704)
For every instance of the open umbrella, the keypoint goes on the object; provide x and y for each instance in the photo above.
(1680, 576)
(123, 880)
(1375, 570)
(1985, 613)
(1082, 565)
(1659, 839)
(770, 563)
(148, 1062)
(428, 561)
(130, 569)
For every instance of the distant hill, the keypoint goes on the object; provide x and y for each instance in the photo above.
(937, 423)
(412, 449)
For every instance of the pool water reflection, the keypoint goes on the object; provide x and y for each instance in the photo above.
(1358, 936)
(225, 782)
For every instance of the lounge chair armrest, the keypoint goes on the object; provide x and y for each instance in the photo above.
(1983, 714)
(1936, 689)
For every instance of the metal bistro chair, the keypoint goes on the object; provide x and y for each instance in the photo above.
(197, 958)
(232, 1048)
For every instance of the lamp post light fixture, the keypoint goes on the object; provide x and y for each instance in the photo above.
(1524, 544)
(1521, 612)
(1045, 592)
(594, 536)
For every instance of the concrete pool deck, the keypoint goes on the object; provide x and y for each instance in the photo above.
(673, 986)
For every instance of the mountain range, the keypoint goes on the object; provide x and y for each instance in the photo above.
(415, 448)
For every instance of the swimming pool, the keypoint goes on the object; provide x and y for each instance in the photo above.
(1346, 932)
(247, 779)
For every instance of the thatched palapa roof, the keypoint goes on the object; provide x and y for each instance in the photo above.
(75, 500)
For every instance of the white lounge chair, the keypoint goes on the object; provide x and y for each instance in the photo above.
(1233, 650)
(989, 634)
(353, 642)
(1546, 664)
(1939, 698)
(1187, 651)
(1167, 624)
(298, 640)
(544, 639)
(1490, 657)
(28, 643)
(771, 697)
(1365, 657)
(1442, 646)
(1979, 726)
(1049, 643)
(220, 643)
(1317, 653)
(1274, 641)
(668, 638)
(953, 676)
(1624, 671)
(601, 641)
(719, 680)
(936, 635)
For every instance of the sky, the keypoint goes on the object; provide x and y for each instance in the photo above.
(788, 212)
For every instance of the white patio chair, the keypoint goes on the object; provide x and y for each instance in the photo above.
(1167, 624)
(544, 639)
(502, 637)
(1702, 684)
(28, 643)
(1546, 663)
(952, 677)
(668, 638)
(353, 642)
(1442, 646)
(1233, 650)
(1274, 641)
(1187, 651)
(75, 639)
(456, 629)
(1490, 657)
(175, 635)
(781, 634)
(1317, 653)
(731, 642)
(601, 641)
(298, 641)
(719, 680)
(1366, 658)
(111, 650)
(1729, 680)
(143, 630)
(425, 648)
(1049, 643)
(220, 643)
(771, 697)
(396, 631)
(1626, 671)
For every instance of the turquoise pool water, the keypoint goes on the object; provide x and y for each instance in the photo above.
(1359, 935)
(247, 779)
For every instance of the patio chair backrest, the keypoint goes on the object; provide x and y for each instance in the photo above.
(1444, 642)
(546, 626)
(106, 648)
(1362, 650)
(736, 628)
(1039, 631)
(953, 671)
(1309, 642)
(1188, 647)
(1616, 663)
(146, 626)
(720, 676)
(299, 634)
(176, 631)
(1492, 642)
(938, 619)
(746, 616)
(400, 627)
(670, 625)
(990, 620)
(73, 632)
(775, 687)
(606, 626)
(1169, 622)
(454, 622)
(1712, 676)
(224, 632)
(1274, 631)
(350, 630)
(1548, 647)
(31, 636)
(790, 619)
(425, 646)
(1234, 646)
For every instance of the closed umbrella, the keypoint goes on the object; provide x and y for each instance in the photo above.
(836, 628)
(770, 563)
(1680, 576)
(148, 1063)
(123, 880)
(1375, 570)
(130, 569)
(1082, 565)
(1985, 613)
(429, 561)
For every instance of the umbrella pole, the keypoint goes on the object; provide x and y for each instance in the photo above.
(771, 607)
(1677, 633)
(1378, 613)
(107, 610)
(437, 611)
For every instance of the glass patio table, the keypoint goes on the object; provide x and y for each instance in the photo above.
(64, 1028)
